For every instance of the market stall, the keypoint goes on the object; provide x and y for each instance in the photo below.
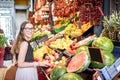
(65, 38)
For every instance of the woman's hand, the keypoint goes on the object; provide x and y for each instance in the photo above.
(45, 64)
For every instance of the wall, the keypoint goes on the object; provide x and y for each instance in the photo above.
(21, 2)
(114, 5)
(20, 13)
(20, 16)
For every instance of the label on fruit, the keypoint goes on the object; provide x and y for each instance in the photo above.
(118, 68)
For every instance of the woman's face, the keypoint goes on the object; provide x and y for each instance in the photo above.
(28, 31)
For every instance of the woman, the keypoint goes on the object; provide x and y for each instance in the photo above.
(24, 54)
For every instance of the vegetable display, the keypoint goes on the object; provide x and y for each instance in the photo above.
(67, 56)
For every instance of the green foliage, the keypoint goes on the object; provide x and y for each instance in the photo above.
(3, 41)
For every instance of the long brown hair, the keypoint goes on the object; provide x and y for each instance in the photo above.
(20, 38)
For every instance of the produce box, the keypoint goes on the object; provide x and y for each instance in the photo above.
(112, 72)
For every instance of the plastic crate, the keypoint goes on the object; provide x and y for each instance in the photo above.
(109, 73)
(116, 52)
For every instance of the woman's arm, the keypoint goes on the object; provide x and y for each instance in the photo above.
(22, 54)
(21, 58)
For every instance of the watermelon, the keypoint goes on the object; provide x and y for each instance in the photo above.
(103, 43)
(82, 48)
(71, 76)
(79, 62)
(95, 64)
(108, 59)
(57, 72)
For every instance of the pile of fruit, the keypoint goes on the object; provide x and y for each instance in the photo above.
(61, 43)
(63, 8)
(66, 65)
(82, 60)
(74, 31)
(90, 11)
(66, 55)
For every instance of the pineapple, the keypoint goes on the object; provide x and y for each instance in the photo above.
(112, 23)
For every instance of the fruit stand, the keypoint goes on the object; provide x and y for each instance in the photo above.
(65, 38)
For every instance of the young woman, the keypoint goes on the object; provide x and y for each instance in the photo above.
(24, 54)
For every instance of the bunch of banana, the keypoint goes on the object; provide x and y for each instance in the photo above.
(72, 30)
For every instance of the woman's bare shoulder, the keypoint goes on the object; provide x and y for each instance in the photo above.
(24, 43)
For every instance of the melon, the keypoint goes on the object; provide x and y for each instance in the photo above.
(103, 43)
(108, 60)
(82, 48)
(57, 72)
(79, 62)
(71, 76)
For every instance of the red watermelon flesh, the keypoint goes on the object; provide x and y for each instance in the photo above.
(79, 62)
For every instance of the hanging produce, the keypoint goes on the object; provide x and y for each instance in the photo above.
(42, 13)
(63, 8)
(39, 3)
(90, 11)
(94, 2)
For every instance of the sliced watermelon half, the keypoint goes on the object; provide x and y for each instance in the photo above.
(79, 62)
